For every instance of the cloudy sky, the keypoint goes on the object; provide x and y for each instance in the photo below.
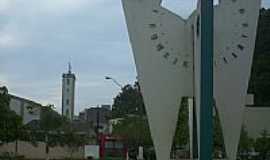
(39, 37)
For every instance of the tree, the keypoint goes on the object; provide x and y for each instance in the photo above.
(260, 76)
(129, 105)
(181, 137)
(245, 144)
(73, 140)
(50, 119)
(262, 145)
(135, 130)
(11, 126)
(128, 101)
(50, 125)
(4, 110)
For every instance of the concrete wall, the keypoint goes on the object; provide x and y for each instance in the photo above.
(32, 152)
(163, 45)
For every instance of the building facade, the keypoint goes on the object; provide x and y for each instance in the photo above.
(68, 94)
(98, 117)
(27, 109)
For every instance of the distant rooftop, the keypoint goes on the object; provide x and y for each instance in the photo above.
(24, 99)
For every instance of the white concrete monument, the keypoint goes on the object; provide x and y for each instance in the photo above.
(167, 52)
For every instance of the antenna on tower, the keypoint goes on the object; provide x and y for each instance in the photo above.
(69, 67)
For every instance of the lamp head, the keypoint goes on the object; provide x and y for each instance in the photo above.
(106, 77)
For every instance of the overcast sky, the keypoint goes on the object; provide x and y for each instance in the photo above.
(39, 37)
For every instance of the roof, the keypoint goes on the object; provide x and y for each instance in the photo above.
(24, 99)
(34, 124)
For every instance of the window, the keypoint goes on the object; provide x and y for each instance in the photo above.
(67, 101)
(160, 47)
(118, 145)
(109, 144)
(68, 81)
(154, 37)
(198, 26)
(241, 47)
(152, 25)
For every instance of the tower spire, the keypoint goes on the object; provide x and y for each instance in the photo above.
(69, 67)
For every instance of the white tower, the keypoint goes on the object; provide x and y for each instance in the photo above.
(68, 93)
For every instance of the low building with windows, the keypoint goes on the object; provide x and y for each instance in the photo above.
(98, 116)
(27, 109)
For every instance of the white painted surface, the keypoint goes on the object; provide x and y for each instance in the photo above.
(164, 83)
(140, 155)
(162, 52)
(91, 151)
(68, 94)
(233, 19)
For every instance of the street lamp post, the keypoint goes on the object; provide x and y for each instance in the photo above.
(114, 81)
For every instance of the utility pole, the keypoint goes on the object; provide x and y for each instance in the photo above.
(97, 125)
(206, 101)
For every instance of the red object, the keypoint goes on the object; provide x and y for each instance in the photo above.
(112, 146)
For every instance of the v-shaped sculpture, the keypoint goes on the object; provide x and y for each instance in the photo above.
(166, 49)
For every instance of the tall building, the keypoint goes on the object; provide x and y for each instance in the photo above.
(68, 93)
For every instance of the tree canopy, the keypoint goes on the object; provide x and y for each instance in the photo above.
(260, 77)
(129, 106)
(128, 101)
(10, 122)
